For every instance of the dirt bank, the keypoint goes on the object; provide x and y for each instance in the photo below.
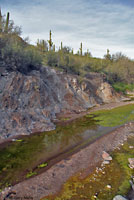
(85, 160)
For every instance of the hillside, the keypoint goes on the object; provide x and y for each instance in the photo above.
(31, 94)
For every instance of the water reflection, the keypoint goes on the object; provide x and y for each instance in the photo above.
(20, 157)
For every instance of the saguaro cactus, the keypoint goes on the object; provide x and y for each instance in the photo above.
(54, 47)
(81, 49)
(7, 23)
(108, 56)
(72, 51)
(61, 46)
(0, 21)
(50, 41)
(108, 51)
(42, 45)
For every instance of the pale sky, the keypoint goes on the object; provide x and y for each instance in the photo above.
(99, 24)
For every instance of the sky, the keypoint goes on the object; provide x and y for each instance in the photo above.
(98, 24)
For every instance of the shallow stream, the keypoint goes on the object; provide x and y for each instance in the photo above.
(31, 155)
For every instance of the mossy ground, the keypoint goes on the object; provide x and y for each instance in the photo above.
(116, 175)
(114, 117)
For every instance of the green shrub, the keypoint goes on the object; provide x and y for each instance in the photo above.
(52, 59)
(123, 87)
(15, 55)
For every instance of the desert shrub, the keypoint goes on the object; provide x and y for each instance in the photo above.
(15, 55)
(123, 87)
(52, 59)
(121, 70)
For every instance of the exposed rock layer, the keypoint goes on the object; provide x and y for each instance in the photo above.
(30, 102)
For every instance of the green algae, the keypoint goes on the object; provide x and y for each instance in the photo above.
(19, 140)
(43, 165)
(64, 119)
(30, 174)
(95, 186)
(114, 117)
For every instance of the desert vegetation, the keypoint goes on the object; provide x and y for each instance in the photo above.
(17, 54)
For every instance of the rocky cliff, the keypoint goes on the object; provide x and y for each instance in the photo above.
(29, 103)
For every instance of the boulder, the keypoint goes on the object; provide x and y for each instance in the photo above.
(119, 197)
(106, 156)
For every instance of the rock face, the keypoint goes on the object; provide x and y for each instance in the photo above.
(105, 91)
(29, 102)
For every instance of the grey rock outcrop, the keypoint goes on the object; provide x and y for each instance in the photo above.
(29, 103)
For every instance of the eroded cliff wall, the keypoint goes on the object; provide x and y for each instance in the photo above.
(28, 103)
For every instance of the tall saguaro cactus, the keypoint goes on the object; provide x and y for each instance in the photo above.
(108, 56)
(50, 41)
(7, 23)
(72, 51)
(61, 46)
(108, 51)
(81, 49)
(54, 47)
(0, 21)
(42, 45)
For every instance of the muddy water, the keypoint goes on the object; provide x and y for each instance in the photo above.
(22, 158)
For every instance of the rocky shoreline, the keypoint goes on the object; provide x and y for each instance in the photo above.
(85, 161)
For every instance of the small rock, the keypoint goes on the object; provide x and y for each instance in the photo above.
(109, 186)
(132, 184)
(106, 162)
(13, 140)
(95, 197)
(131, 162)
(133, 187)
(106, 156)
(119, 197)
